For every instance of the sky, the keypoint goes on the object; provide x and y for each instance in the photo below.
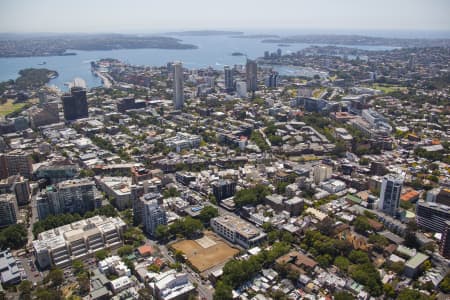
(141, 16)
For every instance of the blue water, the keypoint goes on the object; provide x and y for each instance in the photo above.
(213, 51)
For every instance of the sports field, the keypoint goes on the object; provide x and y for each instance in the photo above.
(207, 252)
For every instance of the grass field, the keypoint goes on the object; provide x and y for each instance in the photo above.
(205, 258)
(9, 106)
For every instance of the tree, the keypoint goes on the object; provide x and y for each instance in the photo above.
(25, 289)
(77, 266)
(145, 294)
(125, 250)
(162, 232)
(361, 225)
(445, 284)
(14, 237)
(55, 277)
(223, 291)
(342, 263)
(359, 257)
(207, 213)
(44, 293)
(397, 267)
(408, 294)
(101, 254)
(343, 295)
(83, 283)
(389, 291)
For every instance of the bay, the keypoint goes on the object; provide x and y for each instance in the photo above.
(213, 51)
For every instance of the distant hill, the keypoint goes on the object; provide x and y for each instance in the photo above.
(204, 33)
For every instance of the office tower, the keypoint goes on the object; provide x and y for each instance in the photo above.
(391, 188)
(432, 216)
(279, 52)
(178, 79)
(154, 215)
(75, 104)
(229, 84)
(223, 189)
(18, 162)
(444, 247)
(252, 75)
(8, 210)
(322, 173)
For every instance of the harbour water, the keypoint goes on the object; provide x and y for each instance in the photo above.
(213, 51)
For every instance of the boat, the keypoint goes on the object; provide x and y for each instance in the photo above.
(42, 63)
(237, 54)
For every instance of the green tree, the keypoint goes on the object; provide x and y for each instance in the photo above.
(25, 289)
(162, 232)
(223, 291)
(342, 263)
(343, 295)
(389, 291)
(77, 266)
(445, 284)
(408, 294)
(83, 283)
(207, 213)
(361, 225)
(125, 250)
(101, 254)
(55, 277)
(145, 294)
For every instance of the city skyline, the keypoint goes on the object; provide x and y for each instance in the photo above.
(152, 16)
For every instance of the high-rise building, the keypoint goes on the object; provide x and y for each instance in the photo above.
(251, 69)
(8, 210)
(178, 85)
(71, 196)
(322, 173)
(75, 104)
(444, 247)
(46, 114)
(229, 84)
(241, 89)
(391, 188)
(432, 216)
(18, 162)
(272, 80)
(223, 189)
(18, 185)
(154, 215)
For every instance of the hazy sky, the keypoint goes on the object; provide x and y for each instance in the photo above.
(160, 15)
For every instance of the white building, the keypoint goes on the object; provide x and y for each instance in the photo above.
(237, 230)
(171, 285)
(391, 189)
(120, 284)
(60, 246)
(115, 265)
(322, 173)
(241, 89)
(182, 141)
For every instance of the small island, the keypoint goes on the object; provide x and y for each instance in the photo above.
(237, 54)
